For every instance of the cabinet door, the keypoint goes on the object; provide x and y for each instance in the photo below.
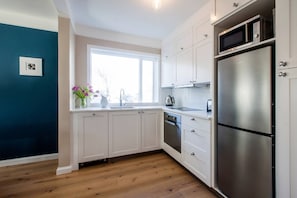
(286, 33)
(203, 31)
(286, 98)
(150, 130)
(286, 134)
(184, 67)
(184, 41)
(226, 7)
(124, 133)
(203, 56)
(92, 136)
(168, 70)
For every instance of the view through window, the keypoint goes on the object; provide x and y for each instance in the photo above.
(134, 73)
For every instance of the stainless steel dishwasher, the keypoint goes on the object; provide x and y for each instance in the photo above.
(172, 130)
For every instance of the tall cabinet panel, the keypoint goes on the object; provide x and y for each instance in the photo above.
(150, 133)
(286, 98)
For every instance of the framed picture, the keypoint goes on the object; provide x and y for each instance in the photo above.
(30, 66)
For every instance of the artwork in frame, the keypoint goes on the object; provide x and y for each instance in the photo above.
(30, 66)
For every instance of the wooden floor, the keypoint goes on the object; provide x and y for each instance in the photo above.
(150, 176)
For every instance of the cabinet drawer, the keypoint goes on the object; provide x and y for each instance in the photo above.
(197, 161)
(196, 137)
(197, 123)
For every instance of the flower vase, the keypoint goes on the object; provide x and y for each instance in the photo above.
(83, 103)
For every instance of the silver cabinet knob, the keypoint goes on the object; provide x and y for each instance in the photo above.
(193, 119)
(205, 35)
(193, 154)
(193, 131)
(235, 4)
(93, 114)
(283, 63)
(282, 74)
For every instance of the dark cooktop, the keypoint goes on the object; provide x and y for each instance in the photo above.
(185, 109)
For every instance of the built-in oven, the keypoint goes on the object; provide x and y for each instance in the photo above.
(172, 130)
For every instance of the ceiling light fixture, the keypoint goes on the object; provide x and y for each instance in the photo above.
(157, 4)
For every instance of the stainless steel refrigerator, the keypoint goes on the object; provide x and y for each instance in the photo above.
(245, 124)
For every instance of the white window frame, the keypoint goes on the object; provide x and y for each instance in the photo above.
(127, 53)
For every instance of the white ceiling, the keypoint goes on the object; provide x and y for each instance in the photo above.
(134, 17)
(40, 14)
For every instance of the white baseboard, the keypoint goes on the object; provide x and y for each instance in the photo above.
(64, 170)
(26, 160)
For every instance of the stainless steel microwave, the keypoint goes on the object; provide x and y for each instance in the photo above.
(251, 31)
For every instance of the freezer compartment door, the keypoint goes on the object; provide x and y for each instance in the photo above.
(244, 164)
(244, 90)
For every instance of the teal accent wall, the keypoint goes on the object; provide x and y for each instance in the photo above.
(28, 104)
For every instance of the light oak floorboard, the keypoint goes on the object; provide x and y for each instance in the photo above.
(151, 176)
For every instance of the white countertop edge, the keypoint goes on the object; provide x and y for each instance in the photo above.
(88, 109)
(200, 114)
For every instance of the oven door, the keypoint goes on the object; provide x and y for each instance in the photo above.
(172, 135)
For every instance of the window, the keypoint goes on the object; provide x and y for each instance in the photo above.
(111, 71)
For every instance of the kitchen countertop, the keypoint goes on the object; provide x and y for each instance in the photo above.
(201, 114)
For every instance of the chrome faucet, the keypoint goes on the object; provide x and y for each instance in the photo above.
(122, 93)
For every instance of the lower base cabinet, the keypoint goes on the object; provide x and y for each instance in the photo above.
(196, 147)
(124, 132)
(133, 132)
(100, 135)
(92, 136)
(150, 130)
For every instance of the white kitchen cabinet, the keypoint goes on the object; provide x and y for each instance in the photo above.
(196, 147)
(202, 30)
(134, 131)
(150, 130)
(184, 40)
(286, 98)
(124, 133)
(224, 8)
(92, 136)
(168, 66)
(286, 134)
(203, 53)
(184, 67)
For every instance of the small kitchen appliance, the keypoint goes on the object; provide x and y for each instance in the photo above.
(209, 105)
(169, 101)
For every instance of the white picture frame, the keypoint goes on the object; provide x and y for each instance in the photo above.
(30, 66)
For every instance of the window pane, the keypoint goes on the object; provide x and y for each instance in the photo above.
(111, 71)
(110, 74)
(147, 81)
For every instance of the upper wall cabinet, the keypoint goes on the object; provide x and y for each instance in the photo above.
(286, 31)
(168, 69)
(225, 7)
(188, 52)
(203, 50)
(202, 30)
(227, 13)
